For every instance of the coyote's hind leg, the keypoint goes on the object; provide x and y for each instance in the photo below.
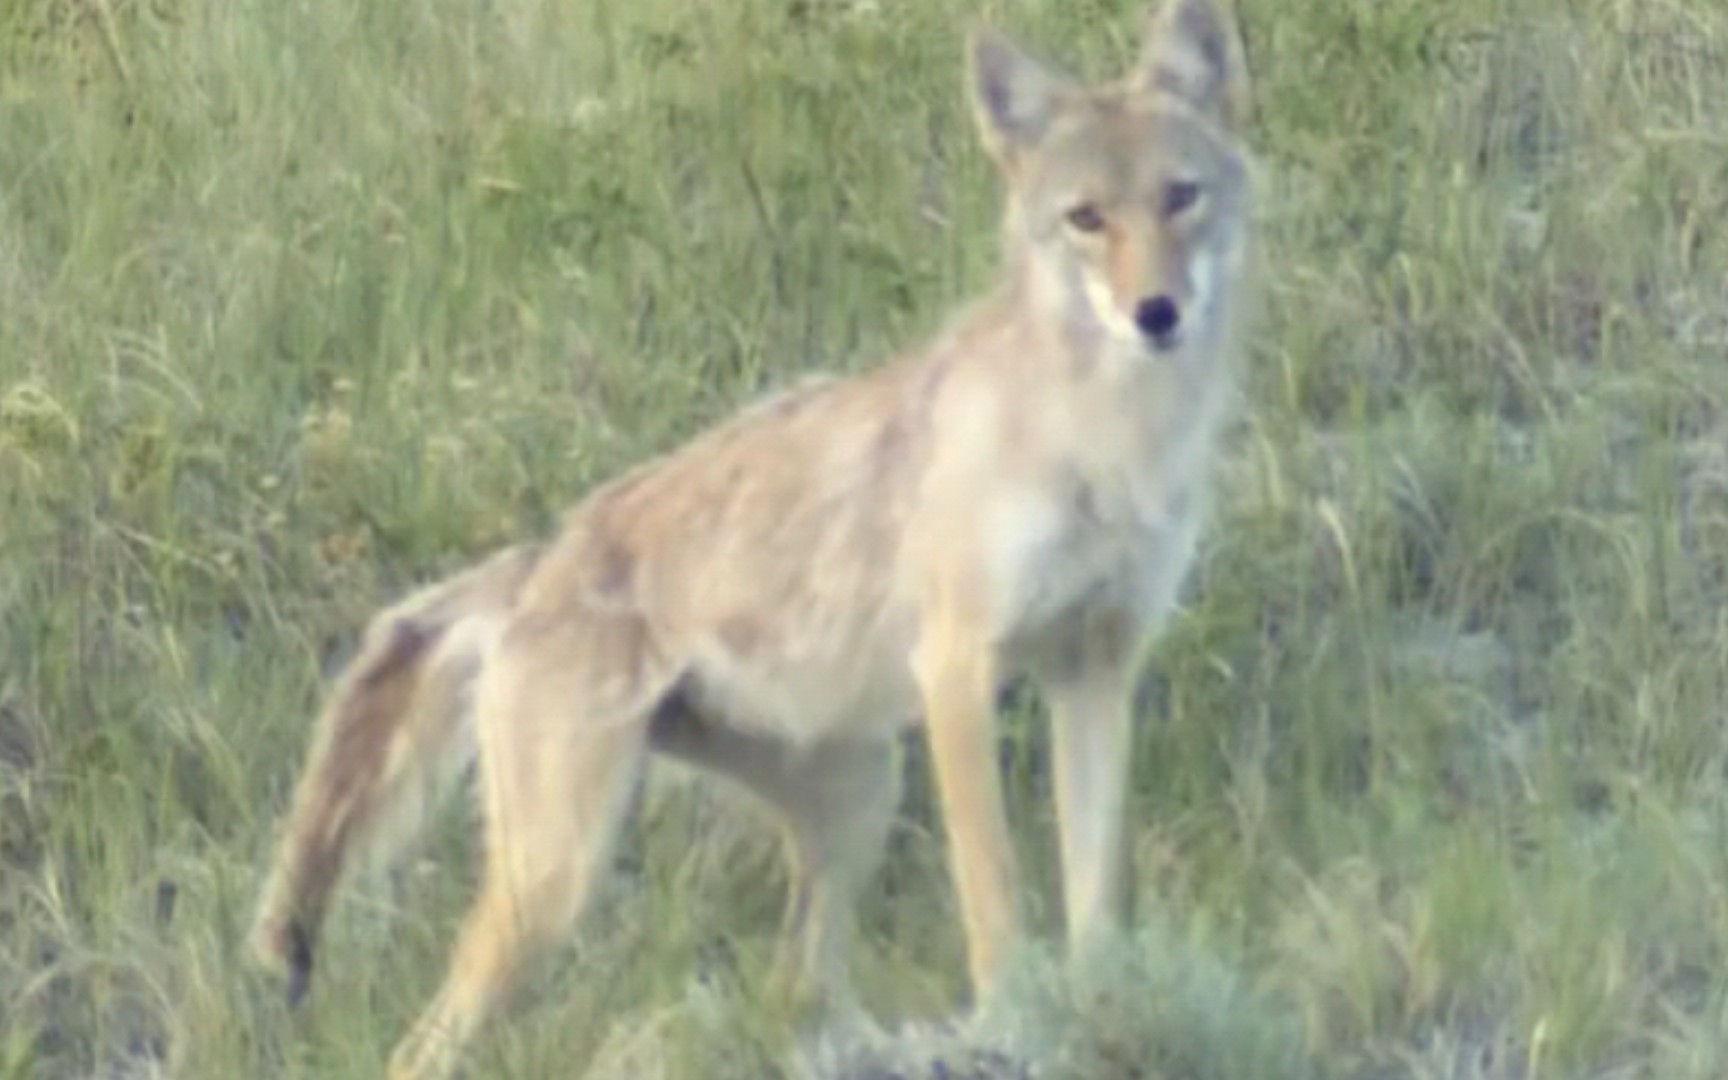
(559, 755)
(836, 801)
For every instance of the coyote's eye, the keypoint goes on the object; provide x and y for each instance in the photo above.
(1085, 218)
(1180, 195)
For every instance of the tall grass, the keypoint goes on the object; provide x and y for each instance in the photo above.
(302, 302)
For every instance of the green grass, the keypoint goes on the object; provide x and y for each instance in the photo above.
(303, 302)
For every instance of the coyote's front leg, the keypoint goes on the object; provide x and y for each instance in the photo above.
(1089, 691)
(955, 664)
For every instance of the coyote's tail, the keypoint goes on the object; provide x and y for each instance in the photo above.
(392, 736)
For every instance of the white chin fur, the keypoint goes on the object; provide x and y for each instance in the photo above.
(1205, 275)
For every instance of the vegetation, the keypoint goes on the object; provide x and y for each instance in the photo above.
(303, 302)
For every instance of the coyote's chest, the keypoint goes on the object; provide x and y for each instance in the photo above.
(1110, 530)
(1083, 544)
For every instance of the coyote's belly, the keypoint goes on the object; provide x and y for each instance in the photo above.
(821, 666)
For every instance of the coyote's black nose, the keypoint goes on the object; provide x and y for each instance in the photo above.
(1157, 318)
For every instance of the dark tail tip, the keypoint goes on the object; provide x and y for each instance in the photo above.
(299, 963)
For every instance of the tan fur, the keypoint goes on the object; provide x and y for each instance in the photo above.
(777, 599)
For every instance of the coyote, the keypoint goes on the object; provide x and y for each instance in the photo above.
(775, 601)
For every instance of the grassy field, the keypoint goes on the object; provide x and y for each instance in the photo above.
(302, 302)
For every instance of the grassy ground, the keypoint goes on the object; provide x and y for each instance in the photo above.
(301, 302)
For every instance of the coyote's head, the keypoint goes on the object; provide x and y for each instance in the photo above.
(1127, 203)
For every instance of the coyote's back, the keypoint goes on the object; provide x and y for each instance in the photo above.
(775, 600)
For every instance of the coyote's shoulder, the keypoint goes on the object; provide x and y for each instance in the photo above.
(776, 598)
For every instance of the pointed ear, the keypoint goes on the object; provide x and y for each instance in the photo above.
(1014, 96)
(1194, 52)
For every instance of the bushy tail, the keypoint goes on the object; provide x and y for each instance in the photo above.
(393, 734)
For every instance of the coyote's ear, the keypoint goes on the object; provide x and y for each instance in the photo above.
(1193, 52)
(1014, 96)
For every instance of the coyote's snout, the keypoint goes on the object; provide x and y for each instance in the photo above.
(780, 597)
